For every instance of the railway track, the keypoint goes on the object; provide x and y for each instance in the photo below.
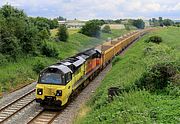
(16, 106)
(44, 117)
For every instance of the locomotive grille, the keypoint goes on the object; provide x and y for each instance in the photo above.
(50, 92)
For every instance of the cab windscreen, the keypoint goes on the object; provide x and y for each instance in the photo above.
(51, 76)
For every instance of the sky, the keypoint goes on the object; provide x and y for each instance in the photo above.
(100, 9)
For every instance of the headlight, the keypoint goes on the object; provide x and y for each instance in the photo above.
(59, 93)
(39, 91)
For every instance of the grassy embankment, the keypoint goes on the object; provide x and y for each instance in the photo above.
(17, 74)
(137, 106)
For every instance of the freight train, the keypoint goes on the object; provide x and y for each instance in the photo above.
(58, 82)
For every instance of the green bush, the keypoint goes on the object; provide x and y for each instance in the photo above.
(154, 39)
(127, 27)
(3, 60)
(106, 29)
(10, 46)
(49, 50)
(158, 77)
(44, 34)
(39, 66)
(62, 33)
(157, 50)
(115, 60)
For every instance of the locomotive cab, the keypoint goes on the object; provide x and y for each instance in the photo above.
(54, 85)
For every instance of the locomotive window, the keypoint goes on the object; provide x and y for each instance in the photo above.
(68, 77)
(51, 78)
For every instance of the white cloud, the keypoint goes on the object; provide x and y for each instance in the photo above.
(87, 9)
(176, 7)
(140, 6)
(152, 7)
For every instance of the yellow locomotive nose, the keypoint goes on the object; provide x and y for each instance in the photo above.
(54, 85)
(51, 94)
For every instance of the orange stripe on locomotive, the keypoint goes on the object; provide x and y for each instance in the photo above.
(93, 59)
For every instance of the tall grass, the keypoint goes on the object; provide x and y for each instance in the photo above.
(136, 106)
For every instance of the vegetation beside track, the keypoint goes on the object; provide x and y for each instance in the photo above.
(17, 74)
(137, 105)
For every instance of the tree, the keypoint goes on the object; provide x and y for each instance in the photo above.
(127, 27)
(168, 22)
(60, 18)
(10, 46)
(11, 30)
(9, 11)
(30, 41)
(106, 29)
(118, 21)
(139, 23)
(53, 24)
(155, 22)
(160, 21)
(150, 22)
(177, 24)
(49, 50)
(100, 22)
(62, 33)
(91, 28)
(22, 35)
(42, 23)
(43, 34)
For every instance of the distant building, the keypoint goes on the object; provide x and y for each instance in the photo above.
(73, 23)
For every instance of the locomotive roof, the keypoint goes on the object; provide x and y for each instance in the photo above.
(99, 51)
(62, 68)
(84, 56)
(79, 62)
(66, 63)
(89, 53)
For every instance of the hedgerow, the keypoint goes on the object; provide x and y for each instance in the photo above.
(154, 39)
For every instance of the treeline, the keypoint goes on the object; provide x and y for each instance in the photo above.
(161, 22)
(21, 35)
(177, 24)
(138, 23)
(92, 28)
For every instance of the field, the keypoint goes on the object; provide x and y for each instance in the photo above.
(17, 74)
(137, 106)
(70, 31)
